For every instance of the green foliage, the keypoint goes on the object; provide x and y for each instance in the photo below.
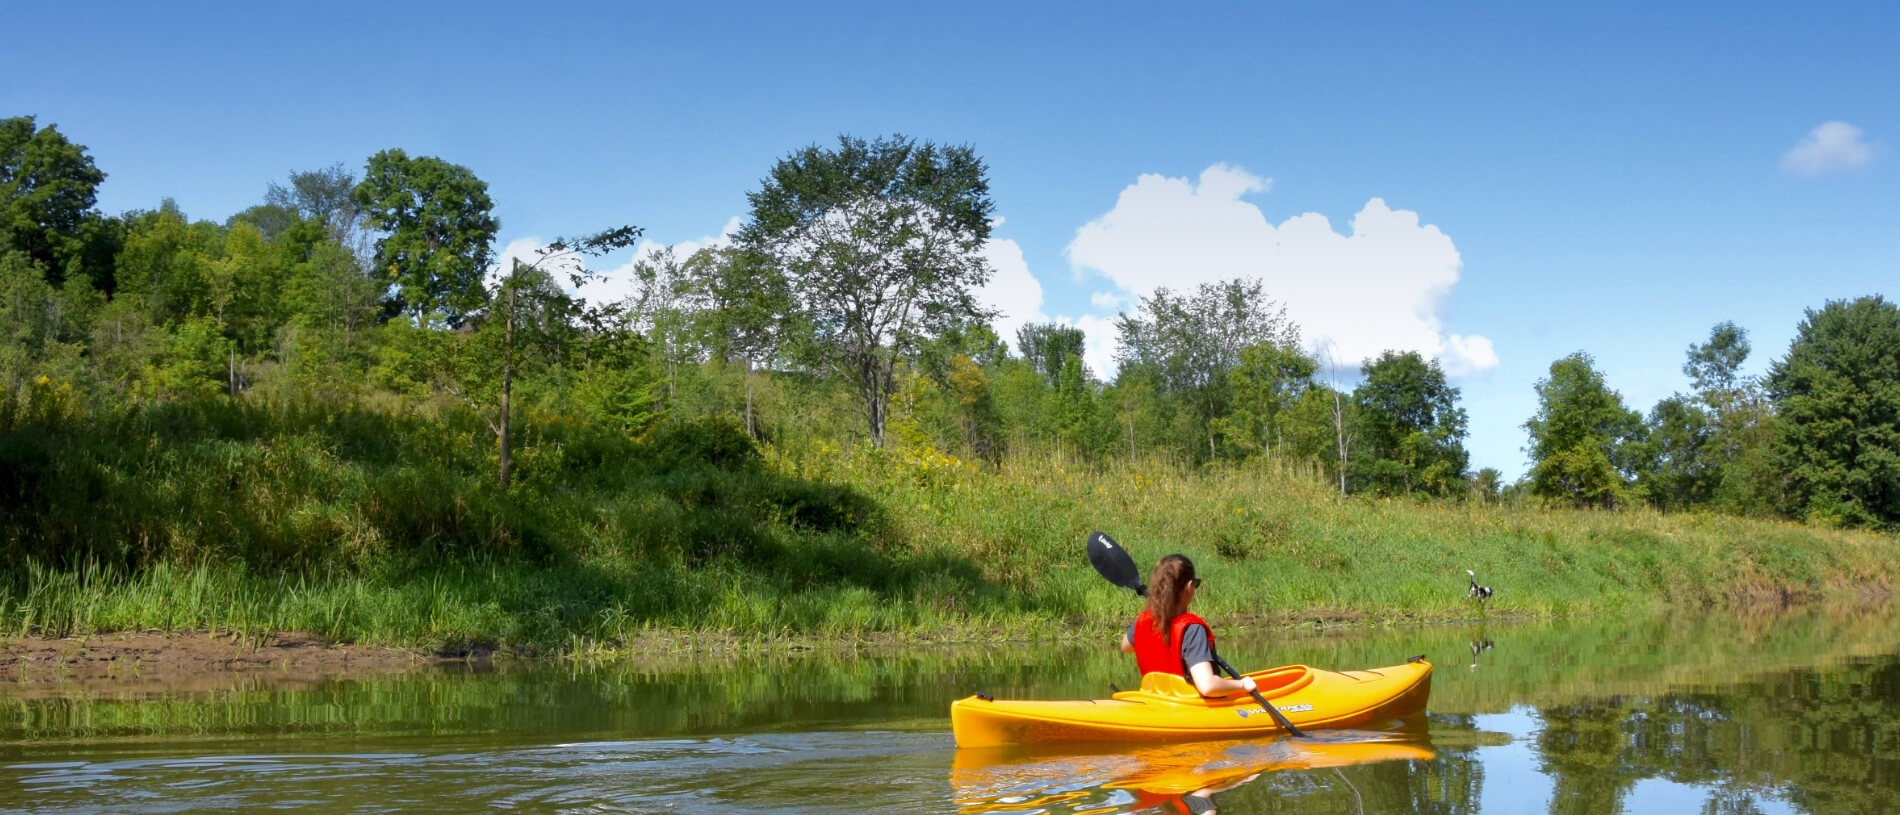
(714, 441)
(1583, 440)
(1191, 342)
(900, 221)
(741, 303)
(438, 231)
(326, 197)
(1046, 347)
(1838, 395)
(1410, 428)
(47, 188)
(270, 220)
(1677, 460)
(163, 267)
(1714, 367)
(194, 366)
(1267, 384)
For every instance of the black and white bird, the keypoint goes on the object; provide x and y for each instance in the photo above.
(1477, 592)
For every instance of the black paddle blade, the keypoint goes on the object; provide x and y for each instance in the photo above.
(1114, 564)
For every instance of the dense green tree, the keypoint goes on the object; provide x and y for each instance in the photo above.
(438, 228)
(880, 241)
(1192, 342)
(1732, 400)
(1411, 428)
(1267, 383)
(1047, 346)
(164, 265)
(1679, 469)
(47, 188)
(269, 220)
(1715, 366)
(326, 196)
(1837, 394)
(42, 328)
(1074, 408)
(1487, 485)
(326, 289)
(1583, 439)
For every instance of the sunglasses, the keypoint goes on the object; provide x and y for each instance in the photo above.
(1194, 582)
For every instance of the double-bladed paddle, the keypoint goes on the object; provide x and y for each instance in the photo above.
(1116, 566)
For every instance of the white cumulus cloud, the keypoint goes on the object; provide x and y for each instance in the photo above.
(1379, 287)
(1829, 148)
(1012, 291)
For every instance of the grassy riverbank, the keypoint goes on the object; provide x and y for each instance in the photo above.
(373, 527)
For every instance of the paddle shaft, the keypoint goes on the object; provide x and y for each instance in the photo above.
(1277, 715)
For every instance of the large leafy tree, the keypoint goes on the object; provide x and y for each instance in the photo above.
(1192, 341)
(47, 188)
(1838, 398)
(1411, 428)
(438, 228)
(879, 242)
(1583, 439)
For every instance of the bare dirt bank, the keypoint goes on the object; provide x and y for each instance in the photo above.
(133, 657)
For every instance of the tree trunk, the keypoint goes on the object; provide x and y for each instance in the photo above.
(750, 429)
(1131, 438)
(505, 456)
(874, 411)
(1339, 435)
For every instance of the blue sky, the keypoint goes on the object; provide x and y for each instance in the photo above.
(1611, 178)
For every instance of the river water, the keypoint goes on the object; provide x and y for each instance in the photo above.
(1773, 713)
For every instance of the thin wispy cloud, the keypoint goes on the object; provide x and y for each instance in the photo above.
(1832, 147)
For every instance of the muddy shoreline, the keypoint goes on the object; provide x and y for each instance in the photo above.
(135, 657)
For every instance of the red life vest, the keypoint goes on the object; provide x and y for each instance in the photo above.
(1152, 653)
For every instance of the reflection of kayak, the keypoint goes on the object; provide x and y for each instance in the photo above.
(1168, 708)
(1014, 779)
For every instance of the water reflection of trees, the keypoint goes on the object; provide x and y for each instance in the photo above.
(1827, 741)
(1448, 785)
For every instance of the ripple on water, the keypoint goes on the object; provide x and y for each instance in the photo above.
(765, 773)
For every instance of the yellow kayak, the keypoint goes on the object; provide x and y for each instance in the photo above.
(1168, 708)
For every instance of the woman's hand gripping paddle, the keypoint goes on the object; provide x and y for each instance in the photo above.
(1116, 566)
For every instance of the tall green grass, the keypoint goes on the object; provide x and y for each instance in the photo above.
(386, 527)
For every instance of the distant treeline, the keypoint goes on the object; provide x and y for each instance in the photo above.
(842, 313)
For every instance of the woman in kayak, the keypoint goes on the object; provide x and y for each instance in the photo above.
(1168, 638)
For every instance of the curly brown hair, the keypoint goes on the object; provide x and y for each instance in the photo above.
(1167, 591)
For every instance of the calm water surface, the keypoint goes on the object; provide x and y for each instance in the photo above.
(1795, 712)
